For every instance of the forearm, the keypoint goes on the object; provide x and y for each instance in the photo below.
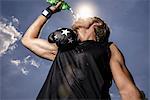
(39, 46)
(126, 87)
(130, 93)
(34, 30)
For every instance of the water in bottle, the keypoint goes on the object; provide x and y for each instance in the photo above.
(64, 6)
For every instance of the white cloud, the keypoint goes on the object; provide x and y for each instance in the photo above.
(3, 46)
(24, 71)
(34, 63)
(23, 65)
(8, 34)
(21, 69)
(13, 47)
(26, 59)
(16, 62)
(15, 20)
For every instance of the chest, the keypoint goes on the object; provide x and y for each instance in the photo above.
(94, 51)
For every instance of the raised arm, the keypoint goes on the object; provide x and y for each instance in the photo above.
(122, 76)
(39, 46)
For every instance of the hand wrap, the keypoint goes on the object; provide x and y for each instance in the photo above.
(47, 12)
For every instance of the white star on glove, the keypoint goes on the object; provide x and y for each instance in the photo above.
(65, 32)
(70, 40)
(55, 37)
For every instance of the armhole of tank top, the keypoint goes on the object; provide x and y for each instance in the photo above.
(108, 49)
(109, 43)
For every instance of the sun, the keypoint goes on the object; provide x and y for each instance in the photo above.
(85, 11)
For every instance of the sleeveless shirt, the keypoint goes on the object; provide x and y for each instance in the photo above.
(81, 72)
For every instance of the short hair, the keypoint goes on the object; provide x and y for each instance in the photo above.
(102, 32)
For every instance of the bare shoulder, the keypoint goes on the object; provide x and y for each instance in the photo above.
(114, 48)
(116, 53)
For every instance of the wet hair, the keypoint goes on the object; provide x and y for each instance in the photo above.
(102, 32)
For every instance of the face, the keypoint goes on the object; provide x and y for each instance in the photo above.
(85, 23)
(82, 23)
(85, 28)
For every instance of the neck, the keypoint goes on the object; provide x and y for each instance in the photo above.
(85, 34)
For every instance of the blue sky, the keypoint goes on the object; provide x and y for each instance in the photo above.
(23, 73)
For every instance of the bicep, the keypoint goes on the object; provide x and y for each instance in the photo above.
(121, 75)
(42, 48)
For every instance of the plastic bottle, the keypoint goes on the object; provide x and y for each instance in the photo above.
(64, 5)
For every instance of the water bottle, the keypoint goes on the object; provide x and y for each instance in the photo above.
(64, 5)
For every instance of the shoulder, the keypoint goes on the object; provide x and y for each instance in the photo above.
(113, 48)
(116, 54)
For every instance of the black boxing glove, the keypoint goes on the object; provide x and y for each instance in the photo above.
(51, 38)
(63, 37)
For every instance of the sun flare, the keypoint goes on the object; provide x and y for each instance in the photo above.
(85, 11)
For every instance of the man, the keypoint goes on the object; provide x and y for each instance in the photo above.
(86, 30)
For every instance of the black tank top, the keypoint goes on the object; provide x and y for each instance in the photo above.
(79, 72)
